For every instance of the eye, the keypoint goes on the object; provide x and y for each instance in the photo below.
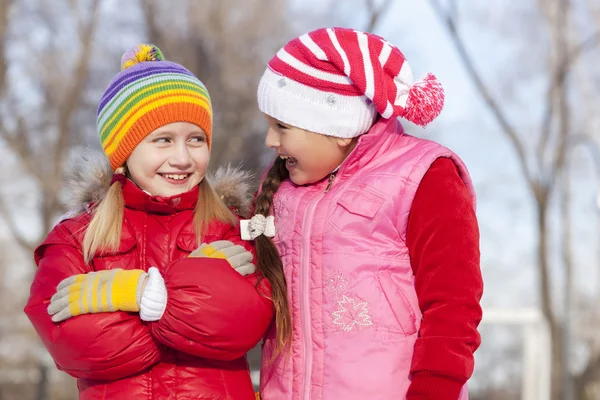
(198, 139)
(282, 127)
(162, 140)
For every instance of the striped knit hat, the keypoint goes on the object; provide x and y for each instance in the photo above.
(334, 82)
(148, 93)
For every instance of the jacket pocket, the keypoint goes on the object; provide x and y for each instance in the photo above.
(399, 305)
(124, 257)
(356, 207)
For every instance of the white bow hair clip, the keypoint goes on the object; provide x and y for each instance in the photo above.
(256, 226)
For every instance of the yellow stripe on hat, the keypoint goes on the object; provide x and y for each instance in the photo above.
(155, 102)
(140, 96)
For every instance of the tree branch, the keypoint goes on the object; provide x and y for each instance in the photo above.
(493, 105)
(74, 94)
(546, 124)
(152, 25)
(375, 13)
(566, 61)
(19, 144)
(557, 81)
(453, 11)
(586, 45)
(564, 112)
(25, 244)
(5, 6)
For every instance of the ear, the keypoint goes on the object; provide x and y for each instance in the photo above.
(344, 142)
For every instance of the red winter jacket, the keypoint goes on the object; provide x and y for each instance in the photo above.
(195, 351)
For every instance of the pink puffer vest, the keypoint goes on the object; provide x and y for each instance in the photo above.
(350, 285)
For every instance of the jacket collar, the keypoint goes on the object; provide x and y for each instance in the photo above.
(371, 145)
(137, 199)
(89, 178)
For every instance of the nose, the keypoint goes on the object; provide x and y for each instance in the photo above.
(180, 157)
(272, 140)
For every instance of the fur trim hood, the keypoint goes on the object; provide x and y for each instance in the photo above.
(90, 176)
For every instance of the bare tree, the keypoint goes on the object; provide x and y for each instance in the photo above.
(542, 164)
(374, 13)
(42, 86)
(40, 138)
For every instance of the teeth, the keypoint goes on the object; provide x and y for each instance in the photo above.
(176, 177)
(284, 157)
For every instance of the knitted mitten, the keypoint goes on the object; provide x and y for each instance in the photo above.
(237, 256)
(95, 292)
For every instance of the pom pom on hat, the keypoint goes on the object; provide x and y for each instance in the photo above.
(139, 54)
(425, 101)
(334, 81)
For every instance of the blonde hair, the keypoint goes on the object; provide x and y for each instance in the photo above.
(104, 230)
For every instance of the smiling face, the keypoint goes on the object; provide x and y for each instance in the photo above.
(309, 156)
(171, 160)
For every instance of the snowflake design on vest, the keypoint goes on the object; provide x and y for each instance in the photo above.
(352, 313)
(336, 284)
(282, 212)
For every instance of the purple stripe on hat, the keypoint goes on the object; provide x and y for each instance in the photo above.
(136, 72)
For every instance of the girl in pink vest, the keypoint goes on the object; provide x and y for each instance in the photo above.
(373, 230)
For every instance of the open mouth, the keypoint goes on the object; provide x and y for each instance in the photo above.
(176, 178)
(289, 161)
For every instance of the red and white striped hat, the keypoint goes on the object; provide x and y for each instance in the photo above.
(334, 81)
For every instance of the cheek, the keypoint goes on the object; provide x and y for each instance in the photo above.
(320, 161)
(151, 168)
(145, 163)
(201, 159)
(290, 145)
(317, 171)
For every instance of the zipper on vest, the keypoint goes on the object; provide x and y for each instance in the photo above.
(330, 181)
(305, 295)
(306, 334)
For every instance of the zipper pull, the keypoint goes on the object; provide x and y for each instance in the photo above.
(330, 182)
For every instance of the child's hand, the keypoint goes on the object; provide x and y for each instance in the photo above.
(95, 292)
(237, 256)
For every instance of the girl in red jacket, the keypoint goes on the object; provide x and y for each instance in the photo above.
(116, 300)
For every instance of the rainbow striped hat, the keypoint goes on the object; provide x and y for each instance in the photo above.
(148, 93)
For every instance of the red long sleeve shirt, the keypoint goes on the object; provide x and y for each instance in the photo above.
(443, 243)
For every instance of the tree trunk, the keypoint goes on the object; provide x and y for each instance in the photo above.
(545, 287)
(42, 385)
(558, 360)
